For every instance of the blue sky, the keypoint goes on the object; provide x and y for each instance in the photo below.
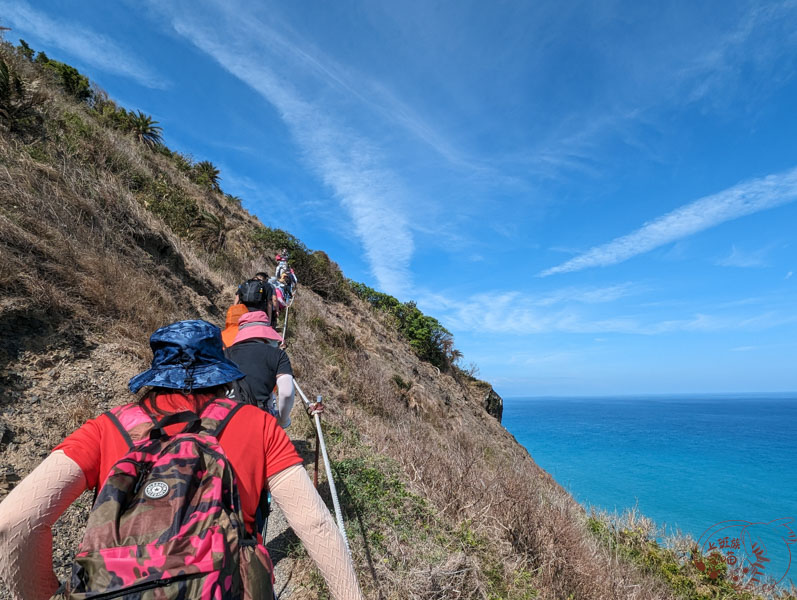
(596, 198)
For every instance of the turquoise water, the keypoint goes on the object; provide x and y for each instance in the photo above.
(685, 462)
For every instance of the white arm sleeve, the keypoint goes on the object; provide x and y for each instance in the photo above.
(285, 397)
(26, 517)
(309, 518)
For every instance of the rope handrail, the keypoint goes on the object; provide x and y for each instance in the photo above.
(327, 466)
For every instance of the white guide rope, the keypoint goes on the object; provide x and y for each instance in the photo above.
(333, 491)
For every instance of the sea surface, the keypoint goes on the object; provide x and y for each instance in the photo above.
(687, 462)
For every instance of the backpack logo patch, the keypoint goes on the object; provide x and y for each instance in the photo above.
(156, 489)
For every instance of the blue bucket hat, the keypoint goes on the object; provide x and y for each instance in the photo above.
(186, 355)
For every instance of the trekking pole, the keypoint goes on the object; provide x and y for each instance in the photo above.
(333, 491)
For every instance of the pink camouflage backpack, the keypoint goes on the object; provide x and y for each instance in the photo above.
(167, 523)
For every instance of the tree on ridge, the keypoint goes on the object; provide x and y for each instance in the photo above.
(146, 129)
(207, 173)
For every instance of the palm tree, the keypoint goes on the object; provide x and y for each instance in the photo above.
(207, 173)
(211, 231)
(146, 129)
(17, 100)
(233, 199)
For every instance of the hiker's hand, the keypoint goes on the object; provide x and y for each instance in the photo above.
(316, 408)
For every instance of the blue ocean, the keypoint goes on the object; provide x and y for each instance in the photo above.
(688, 463)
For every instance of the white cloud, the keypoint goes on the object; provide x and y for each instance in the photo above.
(745, 260)
(90, 47)
(570, 311)
(739, 201)
(711, 68)
(586, 295)
(789, 274)
(347, 162)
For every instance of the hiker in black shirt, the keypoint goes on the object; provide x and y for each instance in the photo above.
(257, 354)
(257, 294)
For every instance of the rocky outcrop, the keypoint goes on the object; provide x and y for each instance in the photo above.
(493, 404)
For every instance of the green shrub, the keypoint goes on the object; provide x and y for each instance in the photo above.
(314, 269)
(109, 113)
(182, 162)
(636, 545)
(401, 384)
(234, 200)
(72, 81)
(168, 201)
(75, 124)
(379, 501)
(431, 341)
(37, 152)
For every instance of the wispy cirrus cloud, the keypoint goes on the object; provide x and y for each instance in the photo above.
(745, 260)
(735, 202)
(586, 295)
(94, 49)
(578, 311)
(717, 68)
(519, 320)
(346, 160)
(371, 94)
(762, 34)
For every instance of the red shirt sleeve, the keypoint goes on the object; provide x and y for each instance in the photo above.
(280, 452)
(84, 447)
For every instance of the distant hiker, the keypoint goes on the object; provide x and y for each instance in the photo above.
(231, 324)
(279, 301)
(256, 352)
(282, 263)
(286, 286)
(256, 294)
(180, 474)
(291, 281)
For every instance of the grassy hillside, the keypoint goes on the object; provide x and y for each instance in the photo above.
(105, 235)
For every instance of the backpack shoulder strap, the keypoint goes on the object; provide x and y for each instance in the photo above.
(132, 421)
(217, 414)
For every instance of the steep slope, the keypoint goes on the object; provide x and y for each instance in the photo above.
(104, 238)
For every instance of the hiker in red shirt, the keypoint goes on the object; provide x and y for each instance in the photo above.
(187, 383)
